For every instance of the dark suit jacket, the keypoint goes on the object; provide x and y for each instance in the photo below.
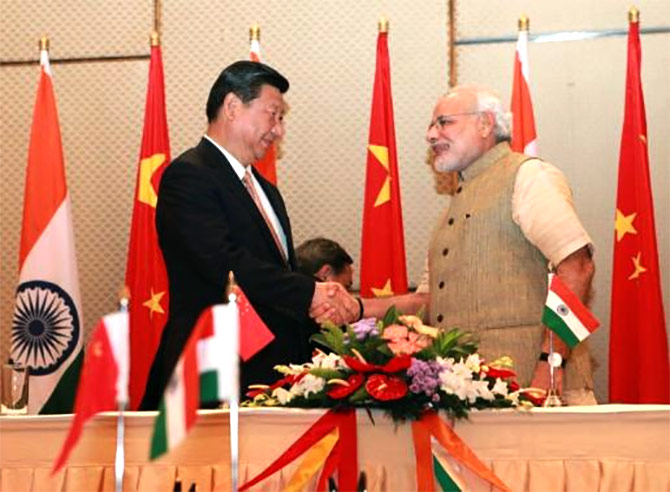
(207, 225)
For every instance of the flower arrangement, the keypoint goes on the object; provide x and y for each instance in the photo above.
(397, 364)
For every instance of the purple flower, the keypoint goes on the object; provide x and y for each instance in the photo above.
(365, 328)
(424, 377)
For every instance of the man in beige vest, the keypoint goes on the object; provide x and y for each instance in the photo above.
(510, 221)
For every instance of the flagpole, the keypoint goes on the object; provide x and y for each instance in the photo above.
(120, 458)
(554, 360)
(234, 409)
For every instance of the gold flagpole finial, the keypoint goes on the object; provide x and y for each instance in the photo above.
(524, 23)
(155, 39)
(230, 288)
(633, 15)
(255, 32)
(44, 43)
(383, 24)
(124, 298)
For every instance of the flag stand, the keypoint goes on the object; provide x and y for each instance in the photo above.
(120, 458)
(553, 400)
(234, 414)
(234, 408)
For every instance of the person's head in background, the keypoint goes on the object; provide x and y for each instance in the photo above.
(325, 260)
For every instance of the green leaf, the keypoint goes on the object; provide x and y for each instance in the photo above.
(454, 343)
(384, 349)
(321, 340)
(326, 373)
(391, 316)
(359, 395)
(421, 312)
(332, 337)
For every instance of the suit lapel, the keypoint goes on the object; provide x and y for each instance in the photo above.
(214, 158)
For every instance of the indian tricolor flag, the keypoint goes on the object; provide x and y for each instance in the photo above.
(565, 314)
(47, 324)
(207, 371)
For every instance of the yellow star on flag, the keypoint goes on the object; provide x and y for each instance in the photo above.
(154, 303)
(624, 224)
(145, 190)
(381, 153)
(384, 291)
(638, 267)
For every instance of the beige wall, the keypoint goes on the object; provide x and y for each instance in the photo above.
(327, 49)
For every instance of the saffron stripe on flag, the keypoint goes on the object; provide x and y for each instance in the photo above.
(582, 313)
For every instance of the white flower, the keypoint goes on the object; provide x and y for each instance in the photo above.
(308, 384)
(462, 370)
(457, 379)
(513, 397)
(500, 388)
(480, 389)
(473, 362)
(330, 361)
(454, 383)
(282, 395)
(293, 369)
(445, 363)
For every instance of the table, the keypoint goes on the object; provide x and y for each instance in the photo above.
(608, 447)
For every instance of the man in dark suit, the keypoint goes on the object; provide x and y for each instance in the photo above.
(215, 214)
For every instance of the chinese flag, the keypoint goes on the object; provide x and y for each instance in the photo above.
(524, 137)
(146, 277)
(638, 365)
(267, 166)
(103, 385)
(383, 271)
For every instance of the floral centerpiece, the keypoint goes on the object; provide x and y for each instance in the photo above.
(397, 364)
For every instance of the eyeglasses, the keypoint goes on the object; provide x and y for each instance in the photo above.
(447, 119)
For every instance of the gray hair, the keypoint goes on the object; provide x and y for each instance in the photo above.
(489, 102)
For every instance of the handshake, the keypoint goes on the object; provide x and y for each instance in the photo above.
(332, 302)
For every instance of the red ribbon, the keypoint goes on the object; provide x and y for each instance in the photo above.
(343, 457)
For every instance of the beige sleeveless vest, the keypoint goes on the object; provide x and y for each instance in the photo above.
(485, 277)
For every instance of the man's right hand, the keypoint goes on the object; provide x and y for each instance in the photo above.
(331, 302)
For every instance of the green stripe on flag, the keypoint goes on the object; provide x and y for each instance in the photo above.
(445, 481)
(556, 323)
(62, 397)
(159, 443)
(209, 386)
